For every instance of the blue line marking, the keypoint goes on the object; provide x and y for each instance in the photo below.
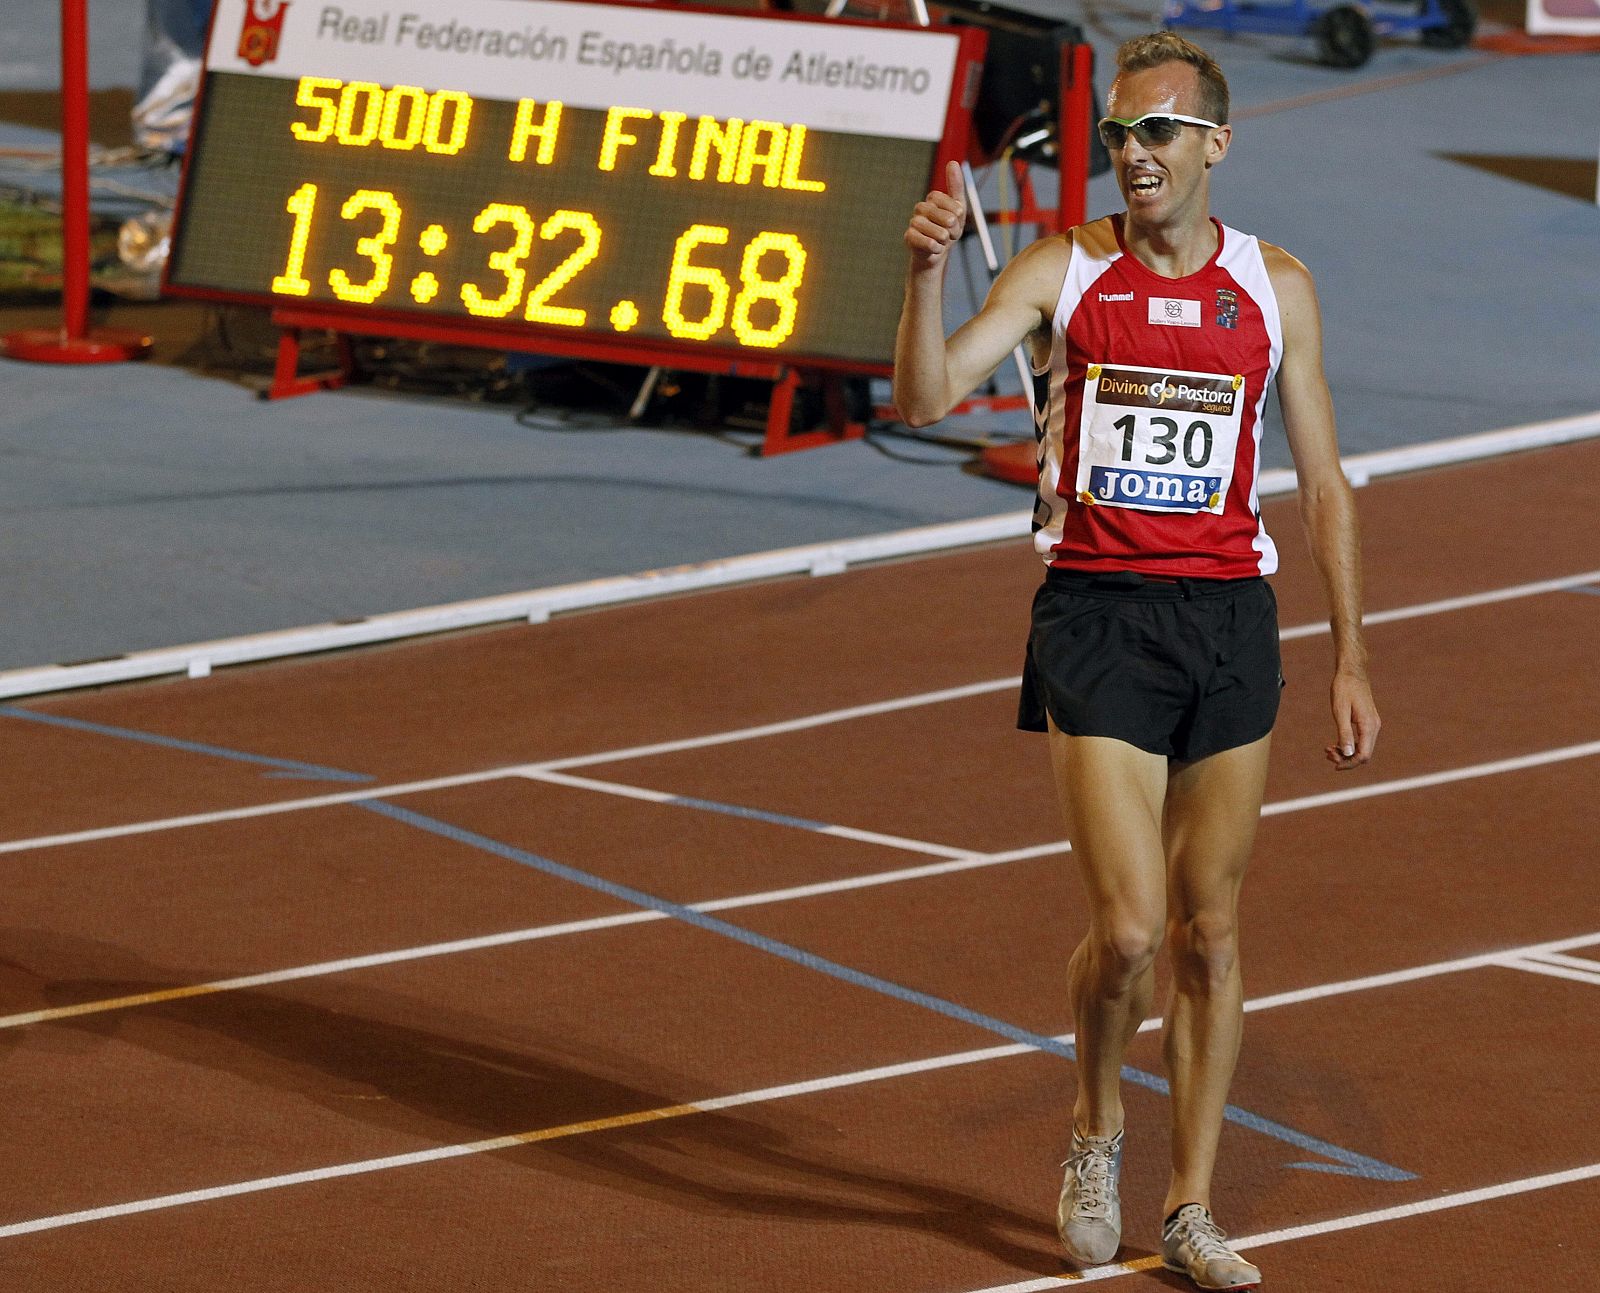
(1346, 1162)
(753, 814)
(1592, 589)
(287, 768)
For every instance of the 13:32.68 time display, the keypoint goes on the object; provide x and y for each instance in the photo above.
(698, 302)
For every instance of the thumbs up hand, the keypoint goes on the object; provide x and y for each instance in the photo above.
(937, 221)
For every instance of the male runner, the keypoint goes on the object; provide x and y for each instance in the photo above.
(1153, 656)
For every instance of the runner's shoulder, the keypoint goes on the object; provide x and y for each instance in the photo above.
(1097, 238)
(1038, 270)
(1295, 292)
(1286, 271)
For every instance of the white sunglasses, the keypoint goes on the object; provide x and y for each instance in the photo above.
(1152, 130)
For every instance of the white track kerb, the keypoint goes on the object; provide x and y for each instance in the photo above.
(198, 659)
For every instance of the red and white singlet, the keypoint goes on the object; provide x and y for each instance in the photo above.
(1149, 415)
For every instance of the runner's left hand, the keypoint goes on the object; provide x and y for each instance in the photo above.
(1355, 721)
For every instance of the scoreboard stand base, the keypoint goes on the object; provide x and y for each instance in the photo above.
(64, 346)
(287, 379)
(782, 437)
(788, 381)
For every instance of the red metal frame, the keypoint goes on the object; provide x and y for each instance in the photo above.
(287, 380)
(75, 342)
(1077, 115)
(780, 437)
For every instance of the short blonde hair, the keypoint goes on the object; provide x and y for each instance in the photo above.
(1159, 47)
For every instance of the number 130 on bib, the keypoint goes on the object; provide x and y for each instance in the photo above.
(1158, 441)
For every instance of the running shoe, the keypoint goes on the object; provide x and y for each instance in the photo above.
(1089, 1216)
(1193, 1244)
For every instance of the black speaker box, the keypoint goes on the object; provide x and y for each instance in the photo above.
(1019, 97)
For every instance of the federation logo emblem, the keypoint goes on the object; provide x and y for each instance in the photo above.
(263, 24)
(1227, 308)
(1174, 312)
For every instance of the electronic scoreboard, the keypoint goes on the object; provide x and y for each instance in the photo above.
(730, 184)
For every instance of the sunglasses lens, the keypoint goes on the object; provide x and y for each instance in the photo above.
(1152, 132)
(1113, 134)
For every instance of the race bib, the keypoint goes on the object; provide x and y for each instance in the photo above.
(1158, 440)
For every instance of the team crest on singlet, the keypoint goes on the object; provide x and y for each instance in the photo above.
(1158, 440)
(1227, 308)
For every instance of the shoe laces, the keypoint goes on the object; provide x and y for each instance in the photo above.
(1091, 1166)
(1204, 1236)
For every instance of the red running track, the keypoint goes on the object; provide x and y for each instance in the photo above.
(261, 1036)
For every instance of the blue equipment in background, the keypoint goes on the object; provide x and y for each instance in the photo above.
(1345, 34)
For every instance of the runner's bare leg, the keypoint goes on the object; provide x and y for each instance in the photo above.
(1112, 795)
(1212, 809)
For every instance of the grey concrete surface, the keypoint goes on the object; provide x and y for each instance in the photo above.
(144, 506)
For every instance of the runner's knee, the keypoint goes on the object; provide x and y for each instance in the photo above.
(1126, 945)
(1204, 947)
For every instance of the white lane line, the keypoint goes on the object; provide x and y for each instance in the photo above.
(1571, 962)
(1354, 1221)
(733, 810)
(1389, 979)
(970, 862)
(1367, 983)
(751, 733)
(762, 1095)
(254, 810)
(1468, 773)
(251, 1187)
(892, 841)
(321, 969)
(1577, 973)
(781, 728)
(1423, 781)
(698, 742)
(1448, 604)
(589, 783)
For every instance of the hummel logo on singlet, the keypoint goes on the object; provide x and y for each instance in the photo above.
(1116, 296)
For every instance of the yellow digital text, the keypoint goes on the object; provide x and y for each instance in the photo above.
(769, 153)
(357, 114)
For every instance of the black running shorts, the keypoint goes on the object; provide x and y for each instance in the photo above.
(1184, 668)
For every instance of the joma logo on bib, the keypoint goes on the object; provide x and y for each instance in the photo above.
(1162, 442)
(1154, 489)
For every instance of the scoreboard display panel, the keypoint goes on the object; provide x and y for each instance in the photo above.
(732, 184)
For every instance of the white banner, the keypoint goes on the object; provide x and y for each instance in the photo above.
(1564, 17)
(831, 76)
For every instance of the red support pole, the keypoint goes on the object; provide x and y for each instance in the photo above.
(1077, 120)
(75, 167)
(75, 342)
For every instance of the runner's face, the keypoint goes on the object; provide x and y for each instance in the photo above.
(1165, 185)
